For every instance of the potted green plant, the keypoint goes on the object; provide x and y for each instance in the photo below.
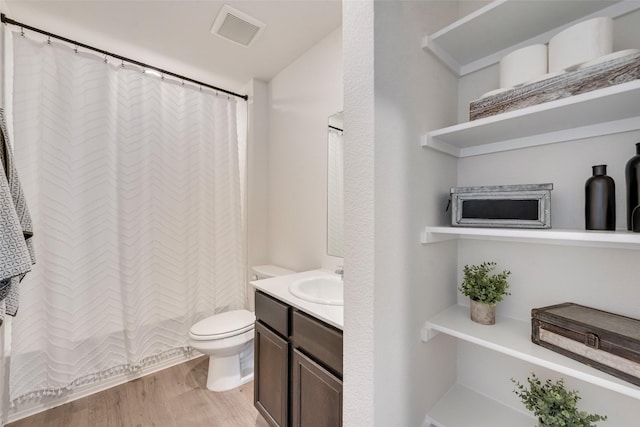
(485, 290)
(553, 404)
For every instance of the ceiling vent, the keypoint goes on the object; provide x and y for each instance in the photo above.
(237, 26)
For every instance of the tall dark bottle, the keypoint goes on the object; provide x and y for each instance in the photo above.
(632, 174)
(600, 200)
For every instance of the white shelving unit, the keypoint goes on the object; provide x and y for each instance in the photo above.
(479, 411)
(607, 239)
(468, 45)
(601, 112)
(512, 337)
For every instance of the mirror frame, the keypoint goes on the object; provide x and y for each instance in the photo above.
(335, 185)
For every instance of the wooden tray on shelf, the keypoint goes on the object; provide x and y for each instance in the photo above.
(597, 76)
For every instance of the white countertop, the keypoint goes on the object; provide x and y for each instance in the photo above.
(278, 287)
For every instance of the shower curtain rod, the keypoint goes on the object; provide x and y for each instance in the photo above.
(10, 21)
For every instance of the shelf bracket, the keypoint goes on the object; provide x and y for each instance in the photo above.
(428, 333)
(427, 237)
(427, 140)
(440, 53)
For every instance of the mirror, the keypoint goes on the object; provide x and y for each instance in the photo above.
(335, 185)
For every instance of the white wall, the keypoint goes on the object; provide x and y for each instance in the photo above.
(393, 188)
(301, 99)
(359, 253)
(257, 179)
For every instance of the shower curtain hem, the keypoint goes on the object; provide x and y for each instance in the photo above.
(39, 394)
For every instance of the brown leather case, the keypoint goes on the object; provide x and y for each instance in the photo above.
(605, 341)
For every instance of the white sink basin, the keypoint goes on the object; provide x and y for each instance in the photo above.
(319, 289)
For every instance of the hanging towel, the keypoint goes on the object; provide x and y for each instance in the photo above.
(16, 248)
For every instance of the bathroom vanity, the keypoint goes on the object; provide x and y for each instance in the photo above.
(298, 358)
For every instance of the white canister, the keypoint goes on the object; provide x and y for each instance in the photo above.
(522, 65)
(580, 43)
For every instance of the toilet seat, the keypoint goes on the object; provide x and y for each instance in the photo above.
(223, 325)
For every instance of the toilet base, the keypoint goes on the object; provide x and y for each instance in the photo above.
(225, 373)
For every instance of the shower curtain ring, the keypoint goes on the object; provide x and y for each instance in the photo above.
(105, 59)
(121, 64)
(21, 32)
(75, 49)
(49, 40)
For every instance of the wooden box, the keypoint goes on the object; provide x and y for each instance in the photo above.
(606, 341)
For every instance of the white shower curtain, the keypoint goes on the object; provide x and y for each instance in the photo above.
(134, 187)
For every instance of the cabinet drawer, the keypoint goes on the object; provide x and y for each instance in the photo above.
(273, 313)
(320, 341)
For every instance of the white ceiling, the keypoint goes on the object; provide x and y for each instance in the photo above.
(175, 34)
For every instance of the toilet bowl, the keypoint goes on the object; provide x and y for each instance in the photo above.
(226, 337)
(223, 337)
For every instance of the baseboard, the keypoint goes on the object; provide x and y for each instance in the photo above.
(32, 408)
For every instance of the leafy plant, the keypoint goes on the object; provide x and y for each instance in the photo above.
(482, 287)
(553, 404)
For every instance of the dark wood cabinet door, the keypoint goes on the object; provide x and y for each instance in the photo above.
(271, 369)
(316, 395)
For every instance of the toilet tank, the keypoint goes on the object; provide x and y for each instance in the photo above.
(267, 271)
(260, 272)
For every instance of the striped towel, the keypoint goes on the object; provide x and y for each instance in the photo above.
(16, 249)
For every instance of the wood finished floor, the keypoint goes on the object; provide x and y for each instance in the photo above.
(176, 396)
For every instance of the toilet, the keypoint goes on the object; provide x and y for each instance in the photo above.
(227, 338)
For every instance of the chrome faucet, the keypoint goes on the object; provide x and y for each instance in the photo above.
(340, 271)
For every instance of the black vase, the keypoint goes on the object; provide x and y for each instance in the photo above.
(600, 200)
(632, 175)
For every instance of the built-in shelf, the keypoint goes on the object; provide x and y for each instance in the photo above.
(605, 111)
(474, 42)
(482, 38)
(479, 411)
(513, 337)
(608, 239)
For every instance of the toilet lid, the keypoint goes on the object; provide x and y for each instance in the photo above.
(223, 324)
